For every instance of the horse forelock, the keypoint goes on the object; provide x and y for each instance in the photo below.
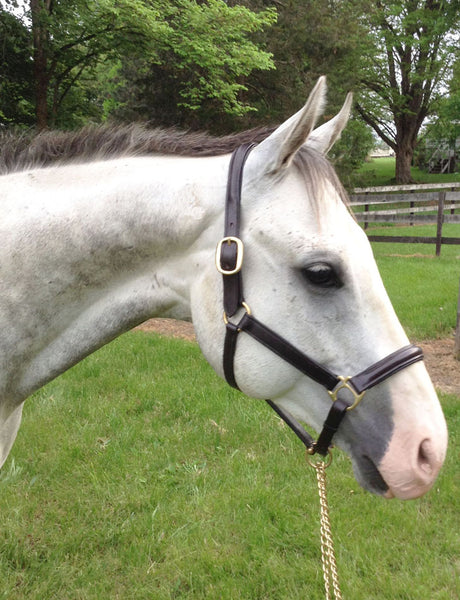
(19, 152)
(316, 171)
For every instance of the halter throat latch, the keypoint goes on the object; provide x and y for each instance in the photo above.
(229, 262)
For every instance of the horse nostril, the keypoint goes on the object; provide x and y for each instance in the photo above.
(425, 456)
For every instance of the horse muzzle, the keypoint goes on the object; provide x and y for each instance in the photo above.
(411, 465)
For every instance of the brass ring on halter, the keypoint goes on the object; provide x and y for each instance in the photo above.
(315, 463)
(246, 307)
(345, 385)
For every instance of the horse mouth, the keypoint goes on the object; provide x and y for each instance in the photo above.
(369, 477)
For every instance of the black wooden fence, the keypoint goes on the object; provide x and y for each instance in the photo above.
(411, 205)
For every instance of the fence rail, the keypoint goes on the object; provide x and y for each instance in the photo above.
(415, 204)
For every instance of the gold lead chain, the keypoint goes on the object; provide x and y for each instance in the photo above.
(331, 579)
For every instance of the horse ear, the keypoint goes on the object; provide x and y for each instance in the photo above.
(279, 148)
(323, 138)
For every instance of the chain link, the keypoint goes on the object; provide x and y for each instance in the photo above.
(331, 579)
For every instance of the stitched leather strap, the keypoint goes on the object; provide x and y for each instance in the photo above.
(288, 352)
(231, 337)
(300, 432)
(335, 416)
(388, 366)
(233, 285)
(370, 377)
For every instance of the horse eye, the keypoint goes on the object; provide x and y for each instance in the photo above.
(322, 275)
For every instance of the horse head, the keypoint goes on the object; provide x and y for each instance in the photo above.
(309, 273)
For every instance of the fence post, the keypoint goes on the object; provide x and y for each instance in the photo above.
(441, 199)
(411, 204)
(366, 210)
(457, 331)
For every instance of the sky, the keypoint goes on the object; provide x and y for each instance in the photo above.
(17, 7)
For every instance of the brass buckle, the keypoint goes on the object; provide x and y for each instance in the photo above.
(239, 255)
(345, 385)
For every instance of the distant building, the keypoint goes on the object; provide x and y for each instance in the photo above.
(381, 152)
(442, 156)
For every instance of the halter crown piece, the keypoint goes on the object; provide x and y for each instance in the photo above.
(229, 262)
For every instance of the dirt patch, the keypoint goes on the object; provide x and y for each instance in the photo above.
(439, 358)
(170, 327)
(443, 368)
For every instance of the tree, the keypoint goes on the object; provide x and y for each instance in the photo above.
(72, 38)
(414, 45)
(69, 38)
(16, 91)
(198, 80)
(310, 38)
(445, 126)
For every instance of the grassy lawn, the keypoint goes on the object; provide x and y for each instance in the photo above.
(423, 288)
(127, 483)
(381, 171)
(139, 474)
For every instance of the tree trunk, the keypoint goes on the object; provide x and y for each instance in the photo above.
(406, 138)
(403, 164)
(40, 41)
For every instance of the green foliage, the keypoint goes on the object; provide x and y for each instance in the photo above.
(16, 80)
(82, 36)
(351, 151)
(207, 45)
(445, 126)
(198, 78)
(216, 50)
(311, 38)
(230, 65)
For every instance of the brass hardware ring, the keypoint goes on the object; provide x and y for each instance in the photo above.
(314, 462)
(246, 307)
(345, 385)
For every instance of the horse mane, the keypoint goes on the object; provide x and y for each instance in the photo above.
(29, 150)
(19, 152)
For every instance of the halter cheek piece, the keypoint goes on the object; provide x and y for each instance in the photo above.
(229, 262)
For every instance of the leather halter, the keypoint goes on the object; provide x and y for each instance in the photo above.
(229, 262)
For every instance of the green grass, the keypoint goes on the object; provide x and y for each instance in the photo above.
(423, 288)
(139, 474)
(381, 171)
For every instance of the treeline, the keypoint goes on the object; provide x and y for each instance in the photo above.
(226, 66)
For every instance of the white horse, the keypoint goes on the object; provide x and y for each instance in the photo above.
(90, 250)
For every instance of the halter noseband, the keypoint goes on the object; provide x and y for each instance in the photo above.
(229, 262)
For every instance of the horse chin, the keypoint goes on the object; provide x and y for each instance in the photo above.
(369, 477)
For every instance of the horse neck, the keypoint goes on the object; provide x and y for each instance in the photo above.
(121, 235)
(98, 249)
(161, 204)
(179, 214)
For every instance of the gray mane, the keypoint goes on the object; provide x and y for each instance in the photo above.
(19, 152)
